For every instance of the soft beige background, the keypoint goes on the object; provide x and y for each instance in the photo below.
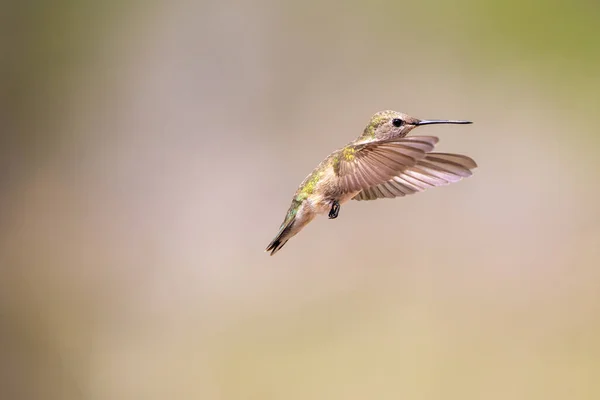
(149, 153)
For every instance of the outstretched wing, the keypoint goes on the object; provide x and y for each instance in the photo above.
(367, 165)
(435, 169)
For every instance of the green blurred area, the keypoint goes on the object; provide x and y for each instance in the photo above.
(150, 150)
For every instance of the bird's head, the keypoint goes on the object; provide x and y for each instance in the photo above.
(391, 124)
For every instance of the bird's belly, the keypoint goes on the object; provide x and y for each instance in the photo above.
(322, 204)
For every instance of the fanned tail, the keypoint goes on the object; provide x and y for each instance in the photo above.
(282, 236)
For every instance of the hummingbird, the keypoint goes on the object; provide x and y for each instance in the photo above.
(383, 162)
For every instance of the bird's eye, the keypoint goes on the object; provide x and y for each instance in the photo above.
(397, 122)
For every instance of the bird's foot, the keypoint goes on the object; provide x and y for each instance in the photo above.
(335, 210)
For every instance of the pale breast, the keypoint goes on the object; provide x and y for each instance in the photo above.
(321, 204)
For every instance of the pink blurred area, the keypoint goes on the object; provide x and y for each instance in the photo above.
(151, 152)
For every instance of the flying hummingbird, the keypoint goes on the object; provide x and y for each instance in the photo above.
(381, 163)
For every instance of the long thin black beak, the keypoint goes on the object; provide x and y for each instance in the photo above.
(441, 121)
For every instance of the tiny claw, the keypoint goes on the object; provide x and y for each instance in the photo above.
(335, 210)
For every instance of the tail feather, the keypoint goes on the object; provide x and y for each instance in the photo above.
(282, 236)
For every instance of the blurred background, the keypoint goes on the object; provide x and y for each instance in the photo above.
(149, 152)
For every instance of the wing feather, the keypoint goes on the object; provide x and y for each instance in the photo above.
(431, 170)
(367, 165)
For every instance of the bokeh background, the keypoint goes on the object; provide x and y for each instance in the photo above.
(149, 151)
